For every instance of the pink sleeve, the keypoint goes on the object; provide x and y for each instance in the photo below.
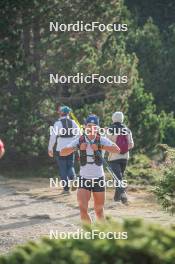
(1, 145)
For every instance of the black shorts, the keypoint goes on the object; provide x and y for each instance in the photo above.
(92, 185)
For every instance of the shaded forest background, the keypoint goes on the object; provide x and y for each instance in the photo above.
(29, 52)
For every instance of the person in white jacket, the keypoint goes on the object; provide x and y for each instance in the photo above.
(122, 136)
(64, 132)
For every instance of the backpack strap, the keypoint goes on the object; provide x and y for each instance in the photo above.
(81, 140)
(67, 124)
(83, 153)
(97, 159)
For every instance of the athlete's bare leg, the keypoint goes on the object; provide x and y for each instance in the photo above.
(83, 197)
(99, 200)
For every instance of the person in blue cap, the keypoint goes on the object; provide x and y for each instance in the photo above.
(91, 167)
(66, 131)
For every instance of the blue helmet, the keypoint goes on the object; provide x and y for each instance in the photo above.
(92, 119)
(65, 109)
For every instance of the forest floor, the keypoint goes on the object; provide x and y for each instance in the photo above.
(30, 209)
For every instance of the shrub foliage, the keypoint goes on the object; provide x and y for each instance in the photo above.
(165, 187)
(146, 244)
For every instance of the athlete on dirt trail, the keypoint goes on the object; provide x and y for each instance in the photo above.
(91, 167)
(67, 130)
(122, 136)
(2, 149)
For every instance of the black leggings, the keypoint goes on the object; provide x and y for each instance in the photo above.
(118, 167)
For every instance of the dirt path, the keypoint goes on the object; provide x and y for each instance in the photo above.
(29, 209)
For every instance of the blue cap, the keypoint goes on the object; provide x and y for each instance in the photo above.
(65, 109)
(92, 119)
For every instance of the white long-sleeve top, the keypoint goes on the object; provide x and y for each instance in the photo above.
(62, 142)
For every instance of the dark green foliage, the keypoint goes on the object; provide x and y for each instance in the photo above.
(165, 190)
(29, 52)
(169, 131)
(161, 11)
(141, 171)
(147, 244)
(146, 125)
(165, 187)
(155, 51)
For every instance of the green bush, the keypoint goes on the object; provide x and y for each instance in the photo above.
(165, 190)
(146, 244)
(165, 187)
(169, 131)
(142, 171)
(146, 125)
